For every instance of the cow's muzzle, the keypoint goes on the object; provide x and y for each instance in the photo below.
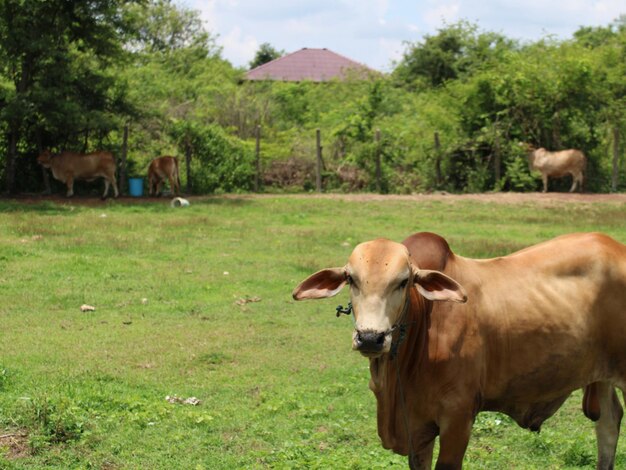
(369, 342)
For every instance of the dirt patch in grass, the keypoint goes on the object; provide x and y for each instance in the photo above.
(538, 199)
(502, 198)
(88, 201)
(14, 444)
(543, 199)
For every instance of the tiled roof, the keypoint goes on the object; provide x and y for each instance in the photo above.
(316, 65)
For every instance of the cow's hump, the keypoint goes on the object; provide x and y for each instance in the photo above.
(428, 250)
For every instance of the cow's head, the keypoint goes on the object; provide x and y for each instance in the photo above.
(531, 152)
(44, 158)
(380, 275)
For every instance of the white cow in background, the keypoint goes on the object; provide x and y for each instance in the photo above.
(558, 164)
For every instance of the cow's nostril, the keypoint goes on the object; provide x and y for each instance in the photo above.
(369, 341)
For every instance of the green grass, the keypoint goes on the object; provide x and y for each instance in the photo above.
(279, 385)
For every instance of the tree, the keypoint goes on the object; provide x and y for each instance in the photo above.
(162, 27)
(55, 58)
(265, 54)
(177, 75)
(456, 50)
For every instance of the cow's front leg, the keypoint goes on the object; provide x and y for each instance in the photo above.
(453, 439)
(422, 459)
(106, 188)
(545, 183)
(574, 183)
(173, 187)
(69, 181)
(607, 426)
(116, 192)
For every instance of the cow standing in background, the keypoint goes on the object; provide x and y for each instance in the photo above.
(558, 164)
(160, 169)
(70, 166)
(448, 337)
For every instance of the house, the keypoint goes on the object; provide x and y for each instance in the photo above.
(315, 65)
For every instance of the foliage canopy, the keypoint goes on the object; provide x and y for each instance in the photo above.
(452, 114)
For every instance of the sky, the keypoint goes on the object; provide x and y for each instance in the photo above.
(375, 32)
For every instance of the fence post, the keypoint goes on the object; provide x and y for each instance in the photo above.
(188, 165)
(258, 159)
(123, 169)
(496, 154)
(318, 167)
(9, 167)
(615, 159)
(46, 178)
(438, 160)
(378, 170)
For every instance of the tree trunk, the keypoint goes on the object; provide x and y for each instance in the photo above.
(257, 178)
(496, 155)
(378, 168)
(44, 172)
(124, 168)
(615, 177)
(318, 167)
(9, 175)
(438, 161)
(188, 166)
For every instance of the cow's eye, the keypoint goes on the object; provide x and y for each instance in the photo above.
(351, 280)
(403, 284)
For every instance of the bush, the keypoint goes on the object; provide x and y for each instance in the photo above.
(220, 162)
(517, 174)
(56, 421)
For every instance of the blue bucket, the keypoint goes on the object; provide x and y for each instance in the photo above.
(135, 187)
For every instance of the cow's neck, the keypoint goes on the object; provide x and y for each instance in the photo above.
(409, 361)
(411, 348)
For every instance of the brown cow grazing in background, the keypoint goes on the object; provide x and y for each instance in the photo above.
(558, 164)
(70, 166)
(448, 337)
(162, 168)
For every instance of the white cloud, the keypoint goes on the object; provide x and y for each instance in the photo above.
(299, 27)
(607, 11)
(390, 50)
(207, 11)
(373, 31)
(238, 48)
(435, 17)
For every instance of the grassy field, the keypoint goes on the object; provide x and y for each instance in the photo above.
(196, 302)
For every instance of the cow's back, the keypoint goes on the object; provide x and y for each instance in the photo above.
(560, 302)
(164, 167)
(80, 165)
(559, 163)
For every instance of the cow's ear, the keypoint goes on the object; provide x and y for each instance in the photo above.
(322, 284)
(435, 285)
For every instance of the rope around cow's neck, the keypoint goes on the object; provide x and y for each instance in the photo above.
(392, 355)
(393, 352)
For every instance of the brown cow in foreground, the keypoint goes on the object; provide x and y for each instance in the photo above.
(162, 168)
(70, 166)
(448, 336)
(558, 164)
